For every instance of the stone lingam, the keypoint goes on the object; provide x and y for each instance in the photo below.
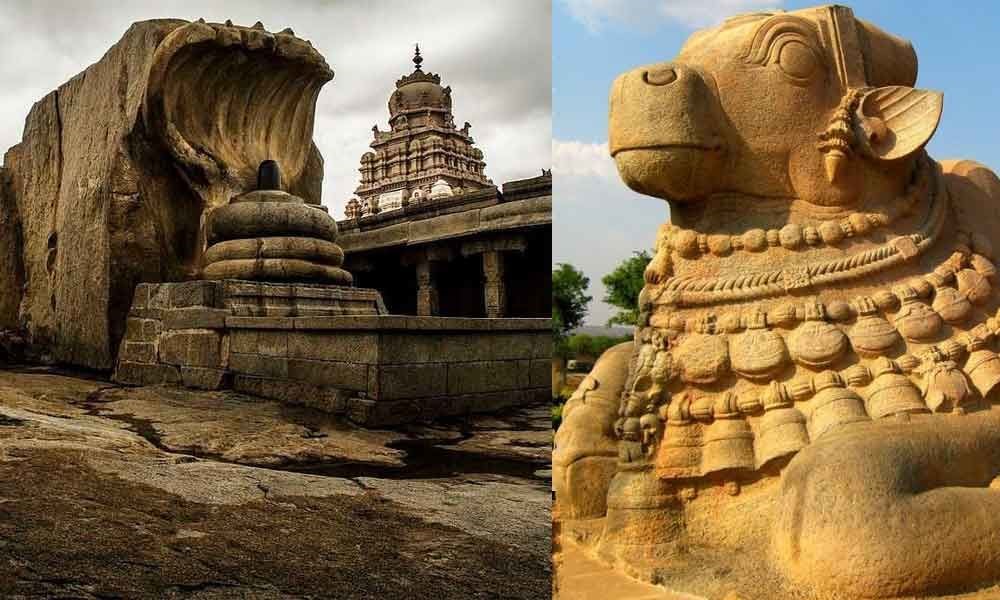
(270, 255)
(271, 235)
(809, 408)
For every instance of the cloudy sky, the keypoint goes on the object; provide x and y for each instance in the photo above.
(494, 55)
(598, 222)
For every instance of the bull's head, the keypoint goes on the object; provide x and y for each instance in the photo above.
(812, 105)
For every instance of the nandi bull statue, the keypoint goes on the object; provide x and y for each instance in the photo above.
(809, 408)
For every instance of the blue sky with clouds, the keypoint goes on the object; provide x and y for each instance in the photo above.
(598, 222)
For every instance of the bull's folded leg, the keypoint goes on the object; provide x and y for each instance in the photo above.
(585, 456)
(887, 509)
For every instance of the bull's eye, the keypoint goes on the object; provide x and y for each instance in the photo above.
(797, 60)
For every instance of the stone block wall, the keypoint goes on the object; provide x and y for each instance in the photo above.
(177, 332)
(377, 369)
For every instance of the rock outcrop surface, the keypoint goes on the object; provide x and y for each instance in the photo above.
(118, 168)
(164, 493)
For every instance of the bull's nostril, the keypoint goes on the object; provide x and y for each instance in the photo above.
(660, 76)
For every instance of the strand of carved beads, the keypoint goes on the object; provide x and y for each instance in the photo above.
(691, 244)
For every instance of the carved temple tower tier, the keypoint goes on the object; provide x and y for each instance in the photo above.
(422, 155)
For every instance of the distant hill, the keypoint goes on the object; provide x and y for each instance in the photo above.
(596, 330)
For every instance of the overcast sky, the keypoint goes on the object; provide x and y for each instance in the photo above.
(598, 222)
(494, 55)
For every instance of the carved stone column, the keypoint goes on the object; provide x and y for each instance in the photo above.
(493, 284)
(427, 294)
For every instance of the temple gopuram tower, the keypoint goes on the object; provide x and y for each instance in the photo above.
(422, 155)
(430, 232)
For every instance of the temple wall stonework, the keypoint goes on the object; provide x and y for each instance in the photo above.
(341, 354)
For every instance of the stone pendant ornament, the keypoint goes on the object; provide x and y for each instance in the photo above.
(649, 425)
(679, 453)
(983, 368)
(816, 343)
(983, 266)
(728, 445)
(953, 306)
(973, 284)
(781, 431)
(703, 358)
(944, 385)
(758, 353)
(660, 268)
(833, 407)
(891, 392)
(915, 320)
(630, 445)
(872, 335)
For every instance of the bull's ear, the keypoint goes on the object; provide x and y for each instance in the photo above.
(895, 121)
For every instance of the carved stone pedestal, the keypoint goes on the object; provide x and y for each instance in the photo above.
(331, 348)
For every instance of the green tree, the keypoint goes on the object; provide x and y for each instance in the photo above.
(569, 298)
(580, 345)
(623, 286)
(602, 343)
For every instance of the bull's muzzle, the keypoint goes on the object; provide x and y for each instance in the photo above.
(663, 131)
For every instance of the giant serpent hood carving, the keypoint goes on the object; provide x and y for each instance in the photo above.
(119, 167)
(223, 98)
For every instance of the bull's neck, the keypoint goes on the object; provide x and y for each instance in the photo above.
(735, 228)
(732, 212)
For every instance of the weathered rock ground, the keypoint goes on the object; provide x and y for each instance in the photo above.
(112, 492)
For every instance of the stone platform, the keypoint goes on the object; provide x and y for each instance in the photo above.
(331, 348)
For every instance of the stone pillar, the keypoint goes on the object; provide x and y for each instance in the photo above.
(493, 284)
(427, 294)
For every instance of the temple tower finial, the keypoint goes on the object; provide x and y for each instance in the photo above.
(417, 59)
